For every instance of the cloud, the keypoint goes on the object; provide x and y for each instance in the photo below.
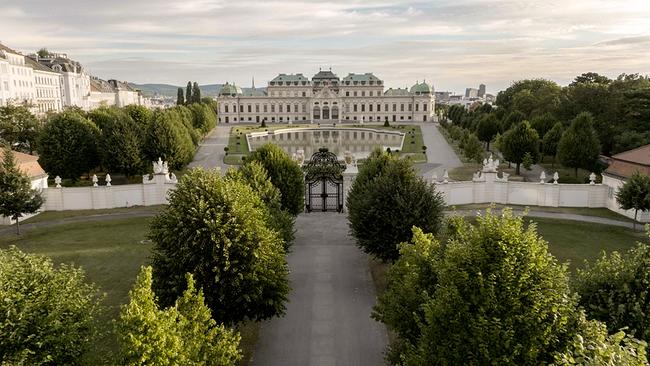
(456, 43)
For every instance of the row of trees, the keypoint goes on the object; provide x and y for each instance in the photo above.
(121, 140)
(617, 121)
(575, 146)
(491, 293)
(192, 94)
(218, 260)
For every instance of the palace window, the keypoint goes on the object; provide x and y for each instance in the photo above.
(370, 107)
(378, 107)
(363, 108)
(257, 108)
(425, 107)
(354, 108)
(417, 107)
(288, 108)
(347, 93)
(410, 107)
(363, 93)
(273, 108)
(266, 109)
(401, 107)
(355, 94)
(304, 94)
(241, 108)
(249, 109)
(394, 107)
(280, 108)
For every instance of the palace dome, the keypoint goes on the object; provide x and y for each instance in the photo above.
(421, 88)
(230, 90)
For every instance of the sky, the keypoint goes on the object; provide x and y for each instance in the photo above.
(452, 44)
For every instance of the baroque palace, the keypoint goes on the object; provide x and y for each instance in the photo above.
(326, 98)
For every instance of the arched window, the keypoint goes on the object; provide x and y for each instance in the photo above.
(316, 112)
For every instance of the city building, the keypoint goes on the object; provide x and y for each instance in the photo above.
(17, 77)
(326, 98)
(114, 93)
(481, 91)
(75, 81)
(48, 88)
(471, 93)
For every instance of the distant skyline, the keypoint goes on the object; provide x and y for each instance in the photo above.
(454, 44)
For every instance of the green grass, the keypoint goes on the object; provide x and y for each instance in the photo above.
(575, 242)
(58, 215)
(111, 253)
(597, 212)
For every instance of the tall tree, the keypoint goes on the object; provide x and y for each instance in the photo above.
(184, 334)
(518, 141)
(579, 146)
(16, 194)
(635, 194)
(180, 98)
(121, 144)
(67, 145)
(188, 93)
(487, 128)
(285, 174)
(473, 149)
(196, 93)
(216, 229)
(18, 127)
(386, 200)
(552, 139)
(167, 138)
(48, 313)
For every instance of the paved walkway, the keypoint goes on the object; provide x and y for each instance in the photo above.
(328, 315)
(210, 153)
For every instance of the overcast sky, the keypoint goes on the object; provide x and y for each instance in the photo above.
(455, 44)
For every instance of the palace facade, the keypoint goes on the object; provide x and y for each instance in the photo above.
(326, 98)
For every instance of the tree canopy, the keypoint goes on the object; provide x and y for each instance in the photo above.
(386, 200)
(216, 229)
(518, 141)
(67, 145)
(183, 334)
(579, 146)
(285, 174)
(47, 314)
(19, 128)
(635, 194)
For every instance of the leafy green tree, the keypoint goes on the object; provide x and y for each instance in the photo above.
(552, 139)
(473, 149)
(203, 117)
(180, 98)
(579, 146)
(512, 119)
(628, 140)
(16, 194)
(168, 139)
(216, 229)
(18, 128)
(254, 174)
(591, 77)
(285, 174)
(528, 161)
(140, 114)
(615, 290)
(487, 129)
(120, 145)
(456, 113)
(594, 347)
(518, 141)
(543, 123)
(490, 295)
(184, 334)
(386, 200)
(188, 93)
(103, 116)
(67, 145)
(196, 93)
(534, 97)
(635, 194)
(47, 314)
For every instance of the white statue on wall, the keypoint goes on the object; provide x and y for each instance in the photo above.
(160, 167)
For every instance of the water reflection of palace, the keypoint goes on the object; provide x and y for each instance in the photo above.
(326, 98)
(358, 141)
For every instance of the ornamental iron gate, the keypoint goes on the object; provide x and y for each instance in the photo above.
(324, 182)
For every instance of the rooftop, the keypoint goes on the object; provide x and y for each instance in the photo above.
(624, 164)
(27, 164)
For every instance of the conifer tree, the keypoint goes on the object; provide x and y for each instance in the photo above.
(188, 93)
(196, 93)
(16, 194)
(180, 98)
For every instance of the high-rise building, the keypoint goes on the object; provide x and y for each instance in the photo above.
(471, 93)
(481, 91)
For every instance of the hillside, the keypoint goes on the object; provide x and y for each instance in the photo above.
(168, 90)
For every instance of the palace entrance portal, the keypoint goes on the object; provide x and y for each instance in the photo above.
(324, 182)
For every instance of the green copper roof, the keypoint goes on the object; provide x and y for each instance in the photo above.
(421, 88)
(289, 78)
(361, 77)
(230, 89)
(397, 92)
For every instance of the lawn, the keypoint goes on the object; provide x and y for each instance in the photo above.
(598, 212)
(58, 215)
(111, 252)
(413, 141)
